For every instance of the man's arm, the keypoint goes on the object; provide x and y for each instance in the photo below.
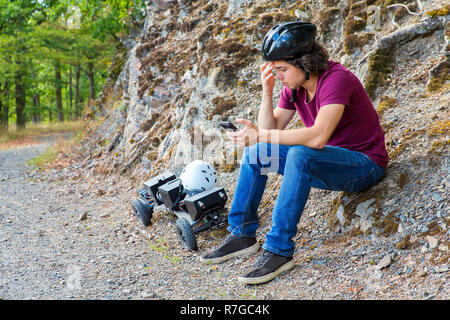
(282, 117)
(315, 137)
(277, 118)
(268, 118)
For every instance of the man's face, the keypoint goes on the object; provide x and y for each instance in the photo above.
(291, 76)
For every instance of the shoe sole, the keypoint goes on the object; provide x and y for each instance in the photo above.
(266, 278)
(250, 250)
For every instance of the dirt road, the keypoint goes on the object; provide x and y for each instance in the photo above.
(71, 235)
(46, 251)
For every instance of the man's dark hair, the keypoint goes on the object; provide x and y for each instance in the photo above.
(314, 62)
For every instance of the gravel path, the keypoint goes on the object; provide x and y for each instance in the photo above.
(47, 252)
(69, 234)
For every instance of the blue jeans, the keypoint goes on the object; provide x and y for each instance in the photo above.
(330, 168)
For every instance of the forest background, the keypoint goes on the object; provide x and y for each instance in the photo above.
(55, 56)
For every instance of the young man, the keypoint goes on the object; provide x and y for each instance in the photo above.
(341, 147)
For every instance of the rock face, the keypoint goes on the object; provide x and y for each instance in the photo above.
(196, 62)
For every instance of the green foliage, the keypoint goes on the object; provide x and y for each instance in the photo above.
(36, 39)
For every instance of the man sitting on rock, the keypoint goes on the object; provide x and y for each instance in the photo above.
(341, 147)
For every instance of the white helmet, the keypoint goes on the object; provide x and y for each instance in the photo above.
(198, 176)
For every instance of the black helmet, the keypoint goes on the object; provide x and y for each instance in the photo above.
(288, 40)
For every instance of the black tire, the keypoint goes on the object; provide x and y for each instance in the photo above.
(186, 234)
(142, 211)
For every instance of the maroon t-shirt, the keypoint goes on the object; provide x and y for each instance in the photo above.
(359, 128)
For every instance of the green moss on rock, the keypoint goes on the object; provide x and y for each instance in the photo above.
(380, 66)
(386, 103)
(444, 11)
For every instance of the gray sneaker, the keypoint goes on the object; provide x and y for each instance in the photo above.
(268, 267)
(232, 246)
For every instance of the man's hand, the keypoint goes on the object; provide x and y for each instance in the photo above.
(247, 136)
(267, 78)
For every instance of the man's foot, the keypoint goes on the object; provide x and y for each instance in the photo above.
(233, 246)
(268, 267)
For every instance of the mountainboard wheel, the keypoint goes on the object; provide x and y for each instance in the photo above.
(142, 211)
(186, 234)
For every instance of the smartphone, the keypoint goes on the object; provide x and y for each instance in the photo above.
(227, 125)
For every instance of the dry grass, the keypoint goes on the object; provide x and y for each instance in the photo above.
(56, 156)
(33, 132)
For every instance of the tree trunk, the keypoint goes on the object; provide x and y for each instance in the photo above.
(59, 105)
(90, 74)
(37, 107)
(36, 114)
(50, 112)
(20, 94)
(4, 108)
(77, 92)
(71, 112)
(3, 128)
(4, 102)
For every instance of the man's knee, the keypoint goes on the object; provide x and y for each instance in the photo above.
(298, 153)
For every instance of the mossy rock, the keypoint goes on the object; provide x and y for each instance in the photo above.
(439, 77)
(380, 65)
(363, 213)
(439, 128)
(354, 41)
(356, 20)
(444, 11)
(404, 244)
(222, 106)
(386, 103)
